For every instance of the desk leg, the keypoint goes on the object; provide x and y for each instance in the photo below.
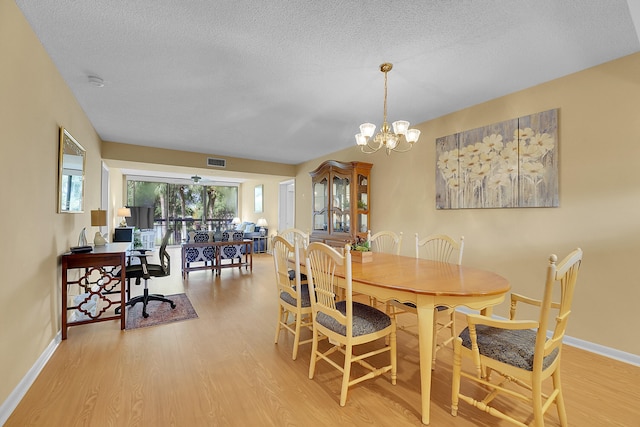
(64, 298)
(425, 308)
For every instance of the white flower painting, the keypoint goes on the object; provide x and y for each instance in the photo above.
(505, 165)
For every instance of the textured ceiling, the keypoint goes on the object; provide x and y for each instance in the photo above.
(287, 81)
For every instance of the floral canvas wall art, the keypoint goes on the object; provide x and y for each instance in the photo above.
(505, 165)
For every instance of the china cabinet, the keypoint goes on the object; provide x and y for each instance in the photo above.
(341, 202)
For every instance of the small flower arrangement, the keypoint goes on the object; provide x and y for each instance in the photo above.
(361, 245)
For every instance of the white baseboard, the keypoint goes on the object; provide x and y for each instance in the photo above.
(609, 352)
(9, 405)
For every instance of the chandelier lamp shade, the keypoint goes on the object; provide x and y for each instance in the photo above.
(400, 140)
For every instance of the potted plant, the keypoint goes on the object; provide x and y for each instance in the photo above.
(361, 250)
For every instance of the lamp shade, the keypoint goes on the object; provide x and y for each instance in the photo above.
(262, 222)
(124, 212)
(235, 220)
(98, 218)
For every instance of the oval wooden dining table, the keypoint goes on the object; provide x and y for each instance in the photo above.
(427, 284)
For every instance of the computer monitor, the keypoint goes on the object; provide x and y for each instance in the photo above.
(123, 234)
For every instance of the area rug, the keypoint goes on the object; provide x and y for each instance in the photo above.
(161, 312)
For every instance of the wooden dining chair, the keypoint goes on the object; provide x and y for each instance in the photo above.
(442, 248)
(345, 323)
(385, 241)
(294, 304)
(519, 350)
(294, 234)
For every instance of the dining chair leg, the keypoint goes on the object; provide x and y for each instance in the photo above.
(296, 339)
(314, 351)
(562, 412)
(538, 414)
(455, 385)
(346, 373)
(279, 324)
(394, 357)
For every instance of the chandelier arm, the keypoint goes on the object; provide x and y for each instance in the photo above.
(402, 150)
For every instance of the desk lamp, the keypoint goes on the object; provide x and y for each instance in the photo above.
(262, 223)
(98, 219)
(124, 213)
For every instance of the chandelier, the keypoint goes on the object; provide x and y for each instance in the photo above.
(400, 140)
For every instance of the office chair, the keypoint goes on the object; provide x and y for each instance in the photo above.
(145, 271)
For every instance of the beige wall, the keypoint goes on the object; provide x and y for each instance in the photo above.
(599, 176)
(599, 142)
(35, 102)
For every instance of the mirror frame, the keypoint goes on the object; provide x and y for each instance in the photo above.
(70, 147)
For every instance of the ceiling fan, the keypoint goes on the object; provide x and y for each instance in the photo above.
(196, 179)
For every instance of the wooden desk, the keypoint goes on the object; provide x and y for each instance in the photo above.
(101, 271)
(427, 284)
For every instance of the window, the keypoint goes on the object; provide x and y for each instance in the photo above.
(185, 206)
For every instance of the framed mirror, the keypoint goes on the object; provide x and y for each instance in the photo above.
(71, 168)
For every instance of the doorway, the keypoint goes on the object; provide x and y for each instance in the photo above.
(287, 203)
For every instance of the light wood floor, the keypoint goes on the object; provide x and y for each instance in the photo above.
(223, 369)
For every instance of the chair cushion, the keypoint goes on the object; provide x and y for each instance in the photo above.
(366, 319)
(292, 276)
(304, 296)
(513, 347)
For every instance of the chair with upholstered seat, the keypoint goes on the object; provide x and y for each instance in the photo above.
(145, 271)
(294, 304)
(442, 248)
(231, 252)
(345, 323)
(385, 241)
(293, 235)
(519, 350)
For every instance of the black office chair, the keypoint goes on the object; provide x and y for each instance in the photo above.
(145, 271)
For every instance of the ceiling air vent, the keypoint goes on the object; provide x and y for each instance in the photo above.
(216, 163)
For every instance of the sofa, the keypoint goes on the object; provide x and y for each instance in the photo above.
(251, 231)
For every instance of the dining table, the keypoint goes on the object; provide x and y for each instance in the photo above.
(426, 284)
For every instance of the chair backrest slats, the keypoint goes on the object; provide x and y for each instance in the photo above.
(322, 262)
(440, 247)
(385, 241)
(293, 234)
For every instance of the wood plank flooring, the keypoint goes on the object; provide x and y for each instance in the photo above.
(223, 369)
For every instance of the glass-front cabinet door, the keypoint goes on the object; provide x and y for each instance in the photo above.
(362, 195)
(341, 193)
(320, 212)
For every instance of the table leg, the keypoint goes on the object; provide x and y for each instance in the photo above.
(425, 308)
